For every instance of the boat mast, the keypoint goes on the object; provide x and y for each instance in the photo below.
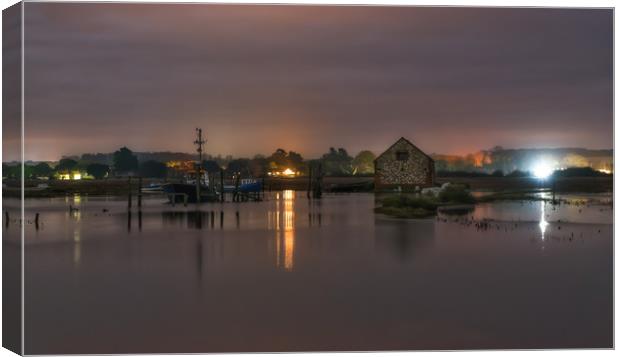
(200, 142)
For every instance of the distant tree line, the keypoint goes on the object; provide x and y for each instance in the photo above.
(124, 162)
(511, 160)
(497, 162)
(569, 172)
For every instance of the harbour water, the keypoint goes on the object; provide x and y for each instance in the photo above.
(292, 274)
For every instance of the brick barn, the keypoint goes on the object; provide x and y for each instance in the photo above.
(404, 165)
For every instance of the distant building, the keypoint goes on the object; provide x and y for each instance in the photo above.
(404, 165)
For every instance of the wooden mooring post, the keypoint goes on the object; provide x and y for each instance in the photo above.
(262, 188)
(36, 221)
(236, 193)
(309, 181)
(129, 194)
(221, 185)
(140, 193)
(6, 219)
(317, 189)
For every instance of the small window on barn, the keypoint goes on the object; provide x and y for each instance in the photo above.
(402, 155)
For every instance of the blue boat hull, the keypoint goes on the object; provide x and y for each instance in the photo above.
(246, 188)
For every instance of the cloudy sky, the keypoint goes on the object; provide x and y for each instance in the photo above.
(255, 78)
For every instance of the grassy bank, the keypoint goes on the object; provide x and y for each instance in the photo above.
(562, 184)
(422, 206)
(456, 198)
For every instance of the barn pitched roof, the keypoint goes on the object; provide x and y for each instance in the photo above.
(402, 138)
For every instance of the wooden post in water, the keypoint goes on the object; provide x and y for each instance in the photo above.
(6, 218)
(317, 189)
(553, 189)
(262, 188)
(129, 195)
(197, 184)
(236, 193)
(309, 180)
(140, 193)
(222, 185)
(36, 221)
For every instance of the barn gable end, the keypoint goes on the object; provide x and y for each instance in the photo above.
(404, 165)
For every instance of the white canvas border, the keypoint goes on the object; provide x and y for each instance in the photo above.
(487, 3)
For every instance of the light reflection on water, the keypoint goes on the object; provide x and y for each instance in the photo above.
(323, 275)
(282, 221)
(543, 222)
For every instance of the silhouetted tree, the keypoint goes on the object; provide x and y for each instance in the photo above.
(258, 166)
(294, 160)
(124, 160)
(42, 169)
(337, 162)
(364, 163)
(97, 171)
(211, 166)
(238, 166)
(66, 165)
(278, 160)
(153, 168)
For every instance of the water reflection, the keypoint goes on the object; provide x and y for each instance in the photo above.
(283, 219)
(543, 222)
(404, 239)
(367, 274)
(189, 219)
(77, 245)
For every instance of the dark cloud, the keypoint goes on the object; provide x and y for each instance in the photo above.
(99, 76)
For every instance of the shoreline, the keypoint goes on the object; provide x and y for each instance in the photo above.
(112, 187)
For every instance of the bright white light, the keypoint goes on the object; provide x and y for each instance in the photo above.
(542, 170)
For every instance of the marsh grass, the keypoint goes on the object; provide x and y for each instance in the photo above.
(456, 194)
(422, 206)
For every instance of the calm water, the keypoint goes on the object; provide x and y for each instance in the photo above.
(292, 275)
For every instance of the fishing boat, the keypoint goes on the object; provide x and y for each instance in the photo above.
(192, 191)
(186, 192)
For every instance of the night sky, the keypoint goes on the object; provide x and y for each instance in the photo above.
(255, 78)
